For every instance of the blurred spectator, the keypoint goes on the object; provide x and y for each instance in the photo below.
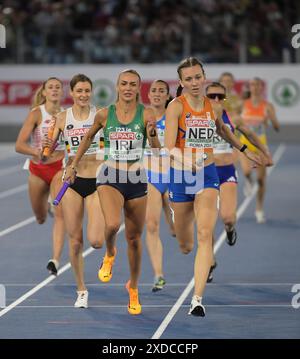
(120, 31)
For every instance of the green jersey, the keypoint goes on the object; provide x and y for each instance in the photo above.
(124, 142)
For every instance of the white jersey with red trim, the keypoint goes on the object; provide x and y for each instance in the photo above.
(42, 129)
(75, 130)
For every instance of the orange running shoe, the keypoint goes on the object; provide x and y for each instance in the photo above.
(105, 271)
(134, 307)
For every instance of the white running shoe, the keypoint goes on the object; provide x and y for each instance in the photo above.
(248, 187)
(82, 299)
(260, 217)
(196, 308)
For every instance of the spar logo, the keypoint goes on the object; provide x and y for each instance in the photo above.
(77, 132)
(286, 92)
(194, 122)
(104, 92)
(127, 136)
(2, 37)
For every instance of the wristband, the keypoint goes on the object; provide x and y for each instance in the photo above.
(243, 148)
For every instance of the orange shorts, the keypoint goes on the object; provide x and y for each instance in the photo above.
(45, 172)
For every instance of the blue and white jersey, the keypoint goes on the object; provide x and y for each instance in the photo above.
(160, 128)
(220, 145)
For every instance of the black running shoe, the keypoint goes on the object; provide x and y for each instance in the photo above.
(231, 237)
(210, 276)
(196, 308)
(52, 268)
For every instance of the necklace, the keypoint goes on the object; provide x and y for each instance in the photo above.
(124, 110)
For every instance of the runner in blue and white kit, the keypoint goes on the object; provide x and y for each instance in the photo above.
(157, 172)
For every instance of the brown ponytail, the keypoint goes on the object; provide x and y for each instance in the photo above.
(179, 90)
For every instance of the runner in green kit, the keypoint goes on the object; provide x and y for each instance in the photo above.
(121, 180)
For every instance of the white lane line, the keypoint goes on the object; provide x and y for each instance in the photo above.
(160, 330)
(17, 226)
(161, 306)
(223, 284)
(45, 282)
(13, 191)
(10, 170)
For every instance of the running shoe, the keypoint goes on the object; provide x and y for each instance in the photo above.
(260, 217)
(248, 187)
(82, 299)
(105, 271)
(210, 275)
(52, 266)
(231, 237)
(159, 283)
(134, 307)
(196, 308)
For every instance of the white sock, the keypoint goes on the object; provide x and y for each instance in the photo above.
(55, 262)
(197, 298)
(81, 291)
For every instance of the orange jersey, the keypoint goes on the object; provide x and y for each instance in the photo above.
(196, 130)
(254, 115)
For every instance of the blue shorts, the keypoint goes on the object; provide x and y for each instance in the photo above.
(184, 185)
(227, 174)
(159, 180)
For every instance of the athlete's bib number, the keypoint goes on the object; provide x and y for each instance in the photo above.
(220, 145)
(126, 146)
(199, 133)
(76, 136)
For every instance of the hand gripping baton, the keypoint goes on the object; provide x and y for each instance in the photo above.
(46, 151)
(60, 194)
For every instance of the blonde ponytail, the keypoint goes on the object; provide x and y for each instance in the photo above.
(38, 98)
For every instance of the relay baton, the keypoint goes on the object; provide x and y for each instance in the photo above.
(46, 151)
(60, 194)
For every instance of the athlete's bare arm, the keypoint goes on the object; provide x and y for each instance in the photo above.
(22, 145)
(272, 117)
(173, 114)
(150, 123)
(253, 138)
(60, 120)
(228, 136)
